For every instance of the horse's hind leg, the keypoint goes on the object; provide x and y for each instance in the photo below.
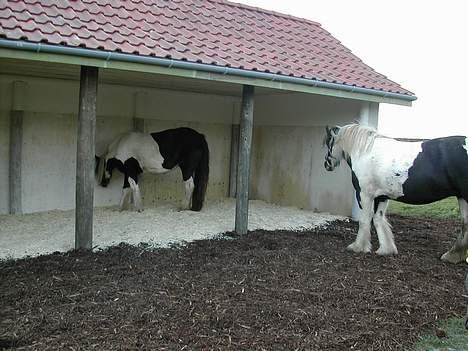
(188, 170)
(136, 194)
(126, 195)
(362, 242)
(384, 230)
(457, 253)
(189, 186)
(133, 169)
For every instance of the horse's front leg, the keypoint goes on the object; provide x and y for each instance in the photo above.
(124, 198)
(362, 242)
(457, 253)
(137, 200)
(384, 231)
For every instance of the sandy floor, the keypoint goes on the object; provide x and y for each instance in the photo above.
(46, 232)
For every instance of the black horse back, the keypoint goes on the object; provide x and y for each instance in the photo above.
(175, 144)
(440, 170)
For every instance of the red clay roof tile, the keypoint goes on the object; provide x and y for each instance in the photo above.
(214, 32)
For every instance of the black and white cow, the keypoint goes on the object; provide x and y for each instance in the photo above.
(134, 153)
(411, 172)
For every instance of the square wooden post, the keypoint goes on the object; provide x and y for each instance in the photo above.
(234, 160)
(85, 158)
(18, 106)
(243, 167)
(15, 168)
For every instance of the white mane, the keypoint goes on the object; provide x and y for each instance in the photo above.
(356, 139)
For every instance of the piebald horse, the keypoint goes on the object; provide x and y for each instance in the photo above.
(417, 173)
(135, 153)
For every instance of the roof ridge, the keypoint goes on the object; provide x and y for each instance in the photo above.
(269, 12)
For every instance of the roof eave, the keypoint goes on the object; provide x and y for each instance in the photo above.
(131, 62)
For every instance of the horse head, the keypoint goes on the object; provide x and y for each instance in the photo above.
(334, 152)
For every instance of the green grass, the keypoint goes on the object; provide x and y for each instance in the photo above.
(456, 338)
(447, 208)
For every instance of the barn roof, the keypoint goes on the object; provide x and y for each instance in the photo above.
(211, 32)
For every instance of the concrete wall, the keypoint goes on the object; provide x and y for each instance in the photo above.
(288, 170)
(287, 155)
(50, 129)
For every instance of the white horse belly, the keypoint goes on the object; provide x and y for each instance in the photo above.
(155, 168)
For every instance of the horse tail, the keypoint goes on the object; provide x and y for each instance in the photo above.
(99, 164)
(201, 176)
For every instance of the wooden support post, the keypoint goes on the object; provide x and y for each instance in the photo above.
(243, 168)
(16, 146)
(234, 159)
(85, 158)
(18, 106)
(139, 125)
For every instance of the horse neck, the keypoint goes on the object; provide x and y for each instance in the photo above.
(356, 141)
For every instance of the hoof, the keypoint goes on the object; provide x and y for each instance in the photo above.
(453, 257)
(387, 251)
(355, 247)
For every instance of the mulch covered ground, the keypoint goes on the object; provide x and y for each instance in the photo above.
(265, 291)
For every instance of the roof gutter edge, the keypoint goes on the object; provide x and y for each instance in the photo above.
(171, 63)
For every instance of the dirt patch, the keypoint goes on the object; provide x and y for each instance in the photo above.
(264, 291)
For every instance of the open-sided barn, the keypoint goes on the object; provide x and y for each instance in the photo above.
(260, 85)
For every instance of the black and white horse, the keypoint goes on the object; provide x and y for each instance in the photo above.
(411, 172)
(134, 153)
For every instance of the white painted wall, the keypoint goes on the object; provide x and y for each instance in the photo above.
(287, 155)
(288, 170)
(50, 129)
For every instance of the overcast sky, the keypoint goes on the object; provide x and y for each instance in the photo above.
(422, 45)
